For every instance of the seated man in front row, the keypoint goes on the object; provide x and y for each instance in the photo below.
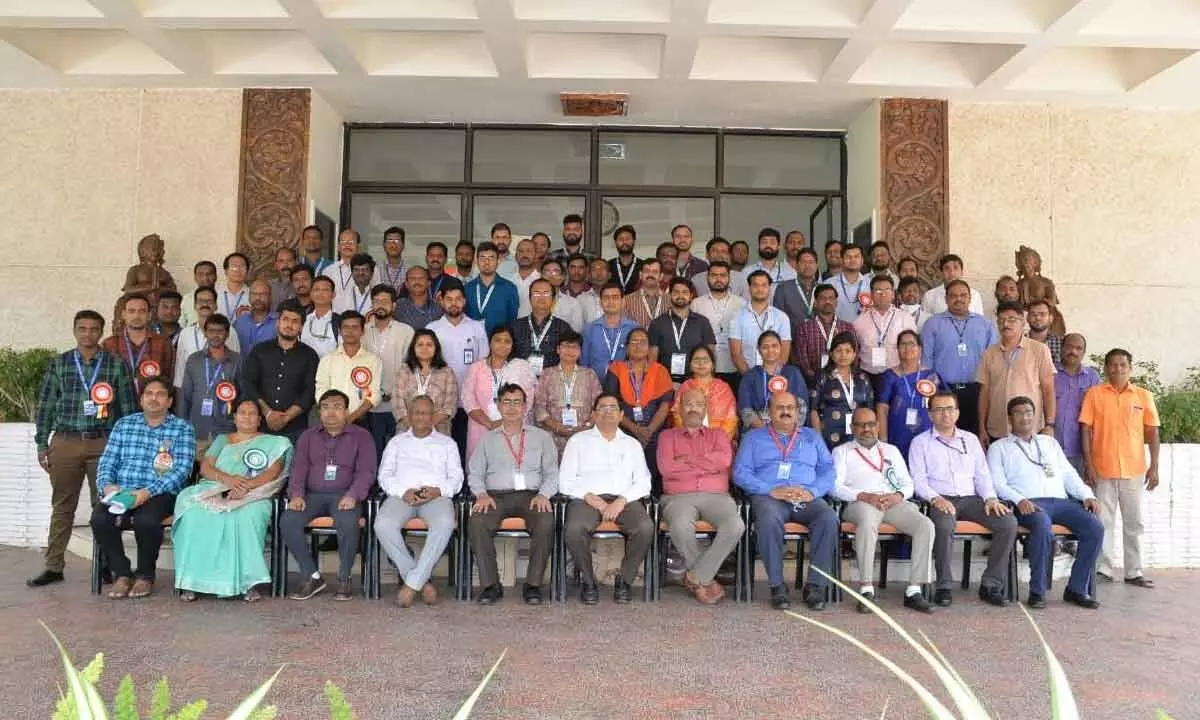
(145, 464)
(1033, 472)
(695, 461)
(513, 473)
(332, 473)
(421, 472)
(872, 478)
(604, 473)
(787, 470)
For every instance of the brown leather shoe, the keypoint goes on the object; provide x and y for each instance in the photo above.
(120, 588)
(429, 594)
(689, 583)
(406, 596)
(709, 594)
(141, 588)
(344, 591)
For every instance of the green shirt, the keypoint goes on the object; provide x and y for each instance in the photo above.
(66, 387)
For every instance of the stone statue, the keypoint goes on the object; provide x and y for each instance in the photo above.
(1033, 286)
(148, 277)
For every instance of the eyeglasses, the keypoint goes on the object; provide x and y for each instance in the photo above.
(512, 402)
(865, 425)
(942, 410)
(540, 294)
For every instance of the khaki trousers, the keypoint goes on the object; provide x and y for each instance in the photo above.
(1125, 496)
(908, 519)
(71, 459)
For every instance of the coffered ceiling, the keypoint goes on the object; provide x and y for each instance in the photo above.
(763, 63)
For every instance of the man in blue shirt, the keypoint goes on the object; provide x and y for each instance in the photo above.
(787, 470)
(1032, 471)
(604, 339)
(953, 344)
(147, 461)
(491, 298)
(258, 325)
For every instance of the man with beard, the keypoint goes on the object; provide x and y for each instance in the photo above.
(721, 307)
(1039, 316)
(814, 337)
(850, 284)
(793, 242)
(577, 276)
(258, 325)
(572, 235)
(281, 284)
(392, 271)
(646, 303)
(302, 280)
(667, 255)
(526, 273)
(312, 238)
(777, 271)
(490, 297)
(833, 258)
(739, 255)
(881, 261)
(389, 340)
(440, 279)
(418, 309)
(464, 261)
(506, 265)
(203, 372)
(672, 336)
(795, 297)
(192, 338)
(687, 265)
(166, 321)
(145, 354)
(755, 319)
(280, 376)
(565, 306)
(719, 250)
(625, 269)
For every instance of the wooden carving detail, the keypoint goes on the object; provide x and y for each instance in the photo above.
(274, 172)
(914, 177)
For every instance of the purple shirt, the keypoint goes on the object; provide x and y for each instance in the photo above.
(1068, 399)
(954, 467)
(352, 451)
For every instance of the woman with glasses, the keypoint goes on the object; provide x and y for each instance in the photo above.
(840, 388)
(483, 382)
(566, 393)
(903, 402)
(646, 394)
(424, 372)
(722, 409)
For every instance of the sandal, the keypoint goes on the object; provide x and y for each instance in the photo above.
(187, 596)
(120, 588)
(252, 595)
(1141, 581)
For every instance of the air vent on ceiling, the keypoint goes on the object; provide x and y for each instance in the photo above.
(576, 104)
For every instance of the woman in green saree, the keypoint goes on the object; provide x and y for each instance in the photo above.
(221, 522)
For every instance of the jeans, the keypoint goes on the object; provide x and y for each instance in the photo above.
(823, 527)
(1086, 526)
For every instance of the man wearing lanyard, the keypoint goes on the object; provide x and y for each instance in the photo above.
(950, 472)
(764, 380)
(953, 343)
(604, 339)
(878, 329)
(755, 319)
(281, 284)
(322, 325)
(1016, 366)
(777, 270)
(506, 265)
(687, 265)
(1032, 471)
(389, 339)
(197, 400)
(850, 284)
(525, 275)
(625, 269)
(814, 337)
(312, 240)
(341, 272)
(873, 479)
(721, 307)
(513, 473)
(68, 408)
(646, 303)
(352, 370)
(356, 296)
(258, 325)
(418, 309)
(439, 280)
(670, 341)
(302, 281)
(145, 354)
(232, 294)
(787, 470)
(463, 342)
(192, 338)
(491, 298)
(392, 271)
(795, 297)
(535, 336)
(718, 250)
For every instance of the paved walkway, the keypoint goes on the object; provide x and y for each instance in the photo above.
(673, 659)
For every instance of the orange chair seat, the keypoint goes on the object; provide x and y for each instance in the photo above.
(795, 528)
(327, 522)
(965, 527)
(884, 529)
(702, 526)
(607, 527)
(1056, 529)
(417, 525)
(513, 524)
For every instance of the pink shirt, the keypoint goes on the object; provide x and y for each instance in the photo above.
(881, 330)
(694, 461)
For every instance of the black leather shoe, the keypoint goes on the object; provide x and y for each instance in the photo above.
(779, 597)
(919, 603)
(622, 593)
(1036, 601)
(861, 606)
(813, 597)
(532, 594)
(48, 577)
(993, 596)
(1083, 601)
(589, 594)
(490, 594)
(943, 597)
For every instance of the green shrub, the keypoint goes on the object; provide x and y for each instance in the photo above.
(21, 374)
(1179, 413)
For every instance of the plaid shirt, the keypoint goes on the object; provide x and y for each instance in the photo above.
(809, 342)
(129, 457)
(155, 347)
(1054, 342)
(61, 397)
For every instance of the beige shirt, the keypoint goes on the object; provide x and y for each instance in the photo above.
(391, 346)
(1008, 375)
(334, 370)
(869, 326)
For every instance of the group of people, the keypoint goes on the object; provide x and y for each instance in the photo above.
(511, 378)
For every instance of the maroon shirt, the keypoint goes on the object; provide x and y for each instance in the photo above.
(352, 451)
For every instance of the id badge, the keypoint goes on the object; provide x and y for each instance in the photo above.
(639, 415)
(331, 473)
(537, 362)
(910, 417)
(962, 349)
(678, 364)
(468, 355)
(493, 412)
(765, 415)
(824, 359)
(1049, 471)
(89, 408)
(848, 430)
(784, 472)
(206, 407)
(878, 357)
(570, 417)
(519, 480)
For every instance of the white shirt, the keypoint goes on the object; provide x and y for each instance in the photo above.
(781, 273)
(462, 344)
(592, 464)
(720, 314)
(853, 471)
(317, 333)
(342, 277)
(569, 310)
(352, 298)
(191, 340)
(1030, 470)
(918, 314)
(523, 291)
(410, 462)
(934, 300)
(391, 346)
(737, 284)
(228, 301)
(589, 304)
(749, 326)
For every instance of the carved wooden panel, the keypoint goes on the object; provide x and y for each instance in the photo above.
(274, 172)
(914, 176)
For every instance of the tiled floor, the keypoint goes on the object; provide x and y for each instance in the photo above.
(674, 659)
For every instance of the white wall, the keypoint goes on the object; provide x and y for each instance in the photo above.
(862, 167)
(325, 144)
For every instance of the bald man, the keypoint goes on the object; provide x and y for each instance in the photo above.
(258, 325)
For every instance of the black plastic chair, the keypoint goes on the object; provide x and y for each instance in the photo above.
(323, 527)
(603, 531)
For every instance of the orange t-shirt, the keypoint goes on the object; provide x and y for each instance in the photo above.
(1118, 421)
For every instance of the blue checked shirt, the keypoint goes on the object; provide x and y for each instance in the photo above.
(128, 459)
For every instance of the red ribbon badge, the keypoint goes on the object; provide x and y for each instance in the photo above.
(864, 299)
(102, 395)
(777, 384)
(149, 369)
(926, 388)
(361, 377)
(226, 393)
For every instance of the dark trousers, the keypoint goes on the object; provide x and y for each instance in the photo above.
(483, 528)
(71, 459)
(146, 523)
(971, 509)
(322, 504)
(382, 426)
(634, 523)
(1086, 526)
(823, 527)
(458, 431)
(968, 406)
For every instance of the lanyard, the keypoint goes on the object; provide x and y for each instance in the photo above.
(891, 317)
(135, 363)
(87, 385)
(1012, 358)
(646, 304)
(911, 389)
(434, 289)
(210, 380)
(613, 343)
(784, 452)
(519, 453)
(231, 310)
(848, 389)
(423, 387)
(857, 289)
(360, 304)
(766, 376)
(867, 460)
(569, 386)
(311, 326)
(498, 380)
(962, 331)
(536, 339)
(393, 280)
(482, 304)
(626, 277)
(344, 279)
(678, 332)
(196, 337)
(764, 324)
(962, 450)
(827, 334)
(331, 446)
(1028, 457)
(808, 301)
(637, 386)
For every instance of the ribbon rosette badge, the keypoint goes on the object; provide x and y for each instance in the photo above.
(777, 384)
(361, 377)
(864, 299)
(926, 388)
(226, 392)
(102, 395)
(149, 369)
(255, 461)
